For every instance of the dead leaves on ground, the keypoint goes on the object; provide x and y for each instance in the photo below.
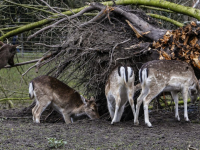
(181, 44)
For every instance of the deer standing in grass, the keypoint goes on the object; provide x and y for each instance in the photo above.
(68, 102)
(7, 53)
(120, 88)
(167, 76)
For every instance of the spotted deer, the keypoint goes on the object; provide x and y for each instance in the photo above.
(68, 102)
(167, 76)
(118, 89)
(7, 53)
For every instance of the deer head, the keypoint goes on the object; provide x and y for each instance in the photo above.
(7, 53)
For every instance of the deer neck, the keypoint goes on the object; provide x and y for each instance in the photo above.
(79, 111)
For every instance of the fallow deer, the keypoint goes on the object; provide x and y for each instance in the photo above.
(118, 89)
(68, 102)
(168, 76)
(7, 53)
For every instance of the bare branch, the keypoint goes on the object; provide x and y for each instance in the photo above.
(50, 46)
(137, 32)
(39, 63)
(98, 17)
(23, 63)
(58, 22)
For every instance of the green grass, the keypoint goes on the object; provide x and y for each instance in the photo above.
(13, 84)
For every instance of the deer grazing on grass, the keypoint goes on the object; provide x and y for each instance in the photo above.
(167, 76)
(68, 102)
(7, 53)
(118, 89)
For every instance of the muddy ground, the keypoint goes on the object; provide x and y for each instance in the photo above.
(17, 131)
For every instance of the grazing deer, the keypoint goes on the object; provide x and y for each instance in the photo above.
(120, 88)
(50, 91)
(7, 53)
(167, 76)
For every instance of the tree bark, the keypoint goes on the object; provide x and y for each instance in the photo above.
(162, 4)
(166, 19)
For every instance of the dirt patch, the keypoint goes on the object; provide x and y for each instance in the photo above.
(19, 132)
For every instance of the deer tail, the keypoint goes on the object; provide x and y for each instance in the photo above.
(125, 72)
(31, 90)
(143, 74)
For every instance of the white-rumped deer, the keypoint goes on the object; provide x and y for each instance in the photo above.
(50, 91)
(120, 88)
(168, 76)
(7, 53)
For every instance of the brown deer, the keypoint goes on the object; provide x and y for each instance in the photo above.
(118, 89)
(7, 53)
(68, 102)
(167, 76)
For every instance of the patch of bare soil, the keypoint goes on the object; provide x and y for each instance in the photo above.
(19, 132)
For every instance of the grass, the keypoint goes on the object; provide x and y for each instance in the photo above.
(13, 84)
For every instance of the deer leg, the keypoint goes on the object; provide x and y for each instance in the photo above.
(131, 101)
(33, 112)
(146, 113)
(117, 105)
(66, 117)
(72, 119)
(153, 92)
(120, 112)
(185, 98)
(110, 107)
(175, 98)
(40, 107)
(35, 108)
(139, 102)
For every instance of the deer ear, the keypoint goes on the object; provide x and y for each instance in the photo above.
(92, 98)
(193, 89)
(1, 43)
